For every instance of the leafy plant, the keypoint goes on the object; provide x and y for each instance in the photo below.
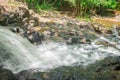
(82, 7)
(39, 4)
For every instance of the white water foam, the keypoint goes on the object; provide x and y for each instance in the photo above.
(23, 55)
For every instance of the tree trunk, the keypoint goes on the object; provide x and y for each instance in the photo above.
(78, 7)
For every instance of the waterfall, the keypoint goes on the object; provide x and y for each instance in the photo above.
(17, 53)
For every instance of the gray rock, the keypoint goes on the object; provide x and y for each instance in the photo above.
(15, 30)
(6, 74)
(24, 75)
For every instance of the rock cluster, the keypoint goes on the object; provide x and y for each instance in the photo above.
(21, 18)
(36, 28)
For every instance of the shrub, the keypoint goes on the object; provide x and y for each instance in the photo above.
(82, 7)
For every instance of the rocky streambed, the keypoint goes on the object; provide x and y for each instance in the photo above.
(39, 29)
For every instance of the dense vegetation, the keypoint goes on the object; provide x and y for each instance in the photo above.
(78, 7)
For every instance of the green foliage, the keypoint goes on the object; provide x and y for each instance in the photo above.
(82, 7)
(45, 6)
(38, 5)
(104, 3)
(90, 3)
(87, 5)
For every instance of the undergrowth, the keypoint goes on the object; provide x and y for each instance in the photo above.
(78, 7)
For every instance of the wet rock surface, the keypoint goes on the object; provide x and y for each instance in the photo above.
(24, 75)
(20, 19)
(106, 69)
(6, 74)
(101, 70)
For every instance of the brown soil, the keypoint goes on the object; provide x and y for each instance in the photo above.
(11, 5)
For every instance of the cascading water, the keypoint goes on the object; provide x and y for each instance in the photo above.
(17, 53)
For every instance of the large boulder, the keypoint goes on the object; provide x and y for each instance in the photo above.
(25, 75)
(6, 74)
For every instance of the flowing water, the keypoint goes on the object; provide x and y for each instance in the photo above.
(17, 53)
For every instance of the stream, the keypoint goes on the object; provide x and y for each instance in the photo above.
(17, 53)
